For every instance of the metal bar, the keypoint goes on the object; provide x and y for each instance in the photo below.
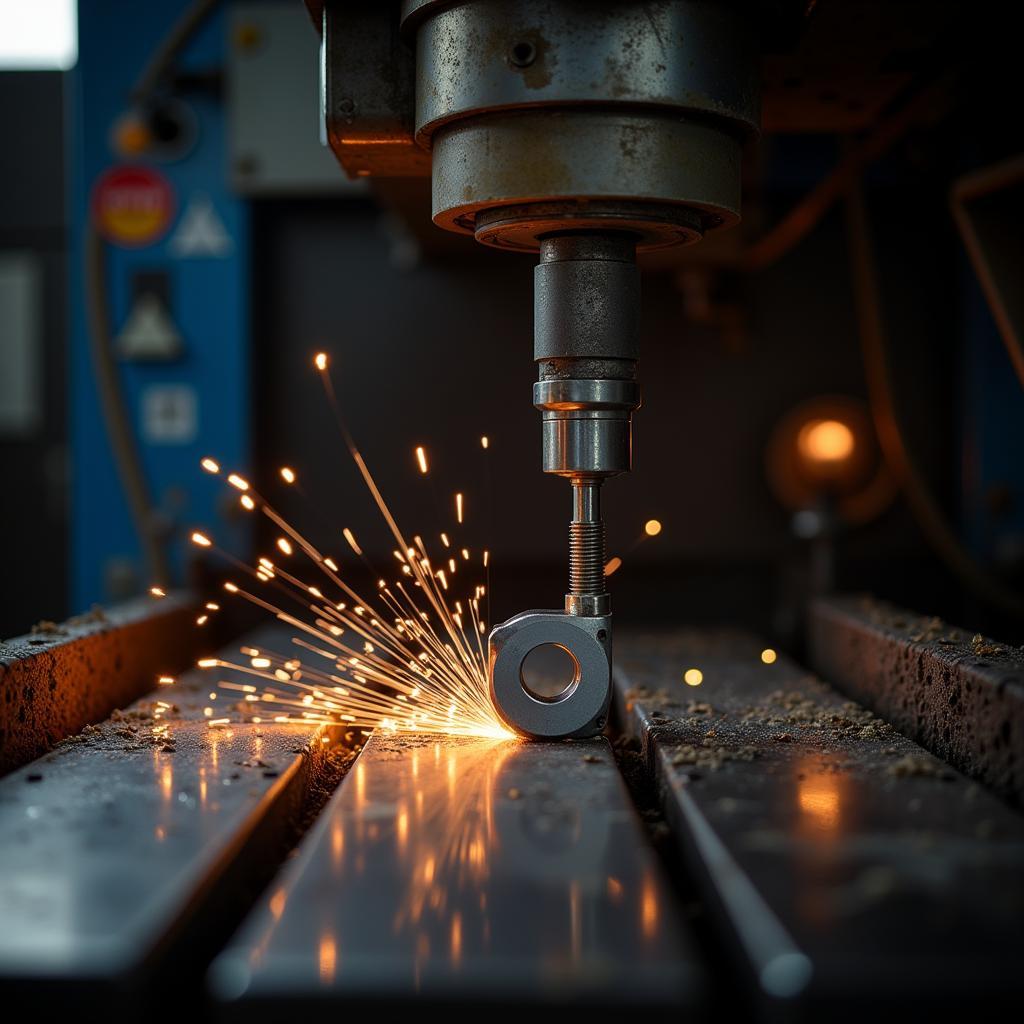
(61, 677)
(849, 871)
(958, 694)
(125, 852)
(451, 871)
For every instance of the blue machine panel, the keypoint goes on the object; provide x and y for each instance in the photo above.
(190, 402)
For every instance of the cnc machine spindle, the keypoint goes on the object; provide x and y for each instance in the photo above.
(586, 326)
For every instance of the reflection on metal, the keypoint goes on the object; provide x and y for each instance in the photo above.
(450, 868)
(819, 799)
(117, 847)
(847, 868)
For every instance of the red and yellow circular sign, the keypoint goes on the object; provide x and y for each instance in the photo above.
(132, 206)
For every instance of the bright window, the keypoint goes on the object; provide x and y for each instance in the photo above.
(38, 34)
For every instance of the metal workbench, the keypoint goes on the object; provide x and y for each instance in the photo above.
(757, 846)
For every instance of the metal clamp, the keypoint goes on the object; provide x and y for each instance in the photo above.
(582, 708)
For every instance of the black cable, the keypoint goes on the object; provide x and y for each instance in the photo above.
(115, 412)
(159, 64)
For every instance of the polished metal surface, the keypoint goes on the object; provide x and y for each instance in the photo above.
(454, 870)
(582, 709)
(587, 321)
(112, 842)
(850, 871)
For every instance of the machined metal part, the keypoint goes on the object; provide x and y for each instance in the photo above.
(582, 709)
(846, 870)
(583, 630)
(449, 872)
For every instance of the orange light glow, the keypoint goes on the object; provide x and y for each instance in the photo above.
(158, 591)
(210, 466)
(288, 474)
(652, 527)
(239, 482)
(485, 442)
(328, 957)
(458, 507)
(649, 909)
(320, 361)
(818, 797)
(768, 656)
(201, 539)
(612, 565)
(827, 441)
(421, 459)
(693, 677)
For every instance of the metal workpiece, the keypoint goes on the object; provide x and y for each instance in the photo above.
(578, 705)
(580, 708)
(847, 870)
(451, 872)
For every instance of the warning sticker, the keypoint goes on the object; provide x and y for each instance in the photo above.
(201, 232)
(132, 206)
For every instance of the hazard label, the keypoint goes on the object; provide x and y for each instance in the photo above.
(132, 206)
(201, 232)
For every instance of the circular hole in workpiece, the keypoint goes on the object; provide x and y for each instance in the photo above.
(523, 54)
(549, 673)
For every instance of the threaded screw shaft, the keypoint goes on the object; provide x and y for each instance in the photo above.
(586, 538)
(586, 558)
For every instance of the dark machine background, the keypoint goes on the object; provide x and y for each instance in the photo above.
(431, 337)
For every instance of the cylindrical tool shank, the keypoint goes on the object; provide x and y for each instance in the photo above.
(586, 322)
(586, 308)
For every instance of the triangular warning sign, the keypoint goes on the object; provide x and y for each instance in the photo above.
(148, 332)
(201, 232)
